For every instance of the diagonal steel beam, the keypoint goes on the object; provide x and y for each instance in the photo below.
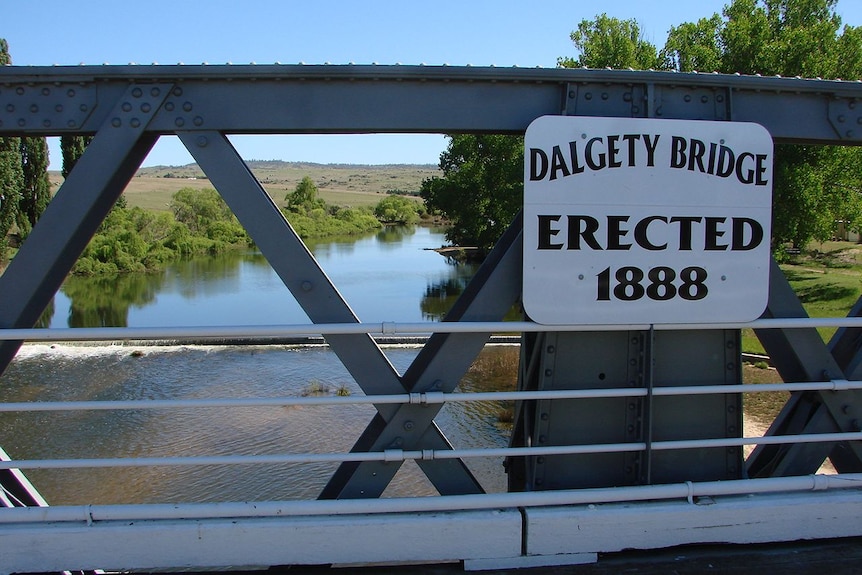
(801, 355)
(308, 283)
(77, 210)
(439, 367)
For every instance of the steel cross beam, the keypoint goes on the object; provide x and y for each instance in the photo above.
(319, 298)
(801, 355)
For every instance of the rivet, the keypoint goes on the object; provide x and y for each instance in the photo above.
(631, 406)
(179, 122)
(851, 105)
(116, 122)
(658, 112)
(70, 92)
(549, 372)
(719, 98)
(687, 98)
(704, 99)
(630, 428)
(730, 366)
(859, 120)
(83, 107)
(72, 124)
(633, 362)
(542, 439)
(169, 106)
(58, 108)
(572, 94)
(127, 107)
(850, 133)
(155, 92)
(845, 409)
(187, 106)
(46, 91)
(841, 118)
(539, 481)
(20, 91)
(135, 123)
(545, 417)
(306, 285)
(604, 95)
(178, 91)
(137, 92)
(588, 96)
(551, 349)
(34, 109)
(198, 121)
(540, 460)
(22, 122)
(635, 110)
(145, 108)
(10, 108)
(408, 425)
(627, 97)
(46, 123)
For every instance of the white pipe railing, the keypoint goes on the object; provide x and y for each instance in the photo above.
(427, 398)
(400, 455)
(688, 491)
(387, 329)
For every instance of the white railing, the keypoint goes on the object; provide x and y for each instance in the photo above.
(87, 515)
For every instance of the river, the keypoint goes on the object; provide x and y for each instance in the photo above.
(389, 276)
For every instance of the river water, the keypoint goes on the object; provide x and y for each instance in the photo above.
(389, 276)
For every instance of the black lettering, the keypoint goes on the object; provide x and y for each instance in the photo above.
(712, 234)
(641, 233)
(677, 152)
(710, 163)
(631, 139)
(761, 169)
(591, 162)
(558, 163)
(538, 164)
(650, 149)
(738, 234)
(613, 152)
(696, 151)
(588, 233)
(577, 168)
(747, 177)
(546, 232)
(615, 233)
(726, 161)
(685, 223)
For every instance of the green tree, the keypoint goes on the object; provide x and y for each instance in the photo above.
(481, 189)
(304, 198)
(814, 186)
(36, 190)
(11, 174)
(72, 148)
(608, 42)
(397, 210)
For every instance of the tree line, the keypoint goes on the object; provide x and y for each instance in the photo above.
(815, 187)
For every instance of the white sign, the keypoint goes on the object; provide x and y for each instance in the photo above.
(646, 221)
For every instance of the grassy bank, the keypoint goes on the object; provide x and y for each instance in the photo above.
(827, 278)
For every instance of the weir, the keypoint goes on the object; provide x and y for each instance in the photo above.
(627, 435)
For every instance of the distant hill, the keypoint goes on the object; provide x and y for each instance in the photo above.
(339, 184)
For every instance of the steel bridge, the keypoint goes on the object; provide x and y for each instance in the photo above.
(647, 456)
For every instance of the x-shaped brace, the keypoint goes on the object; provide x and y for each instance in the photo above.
(801, 355)
(440, 365)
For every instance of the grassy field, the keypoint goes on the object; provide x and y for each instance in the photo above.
(827, 277)
(338, 184)
(341, 185)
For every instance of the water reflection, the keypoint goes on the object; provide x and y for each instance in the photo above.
(391, 275)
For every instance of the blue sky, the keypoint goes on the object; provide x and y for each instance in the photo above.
(479, 33)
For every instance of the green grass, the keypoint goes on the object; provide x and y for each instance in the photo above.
(827, 278)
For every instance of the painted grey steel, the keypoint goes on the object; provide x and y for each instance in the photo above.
(128, 107)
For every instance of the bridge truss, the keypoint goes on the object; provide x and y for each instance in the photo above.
(128, 108)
